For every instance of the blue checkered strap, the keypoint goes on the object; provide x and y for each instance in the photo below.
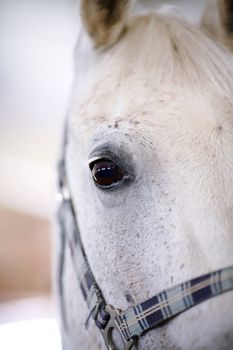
(89, 288)
(69, 231)
(171, 302)
(139, 318)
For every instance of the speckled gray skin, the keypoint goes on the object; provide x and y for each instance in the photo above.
(156, 100)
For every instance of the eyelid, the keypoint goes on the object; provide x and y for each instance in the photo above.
(93, 160)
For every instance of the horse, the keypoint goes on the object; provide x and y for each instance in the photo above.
(146, 175)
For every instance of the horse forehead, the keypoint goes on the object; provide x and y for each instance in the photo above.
(142, 80)
(147, 106)
(129, 89)
(135, 98)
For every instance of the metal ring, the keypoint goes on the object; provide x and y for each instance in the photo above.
(112, 324)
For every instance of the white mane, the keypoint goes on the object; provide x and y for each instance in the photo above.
(177, 51)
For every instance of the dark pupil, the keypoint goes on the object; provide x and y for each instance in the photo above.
(106, 173)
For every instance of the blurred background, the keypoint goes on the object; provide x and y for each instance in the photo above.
(37, 38)
(36, 52)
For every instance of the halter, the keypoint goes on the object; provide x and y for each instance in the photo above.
(136, 320)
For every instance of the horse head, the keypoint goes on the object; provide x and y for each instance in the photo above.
(149, 161)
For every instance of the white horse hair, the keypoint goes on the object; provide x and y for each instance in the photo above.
(157, 94)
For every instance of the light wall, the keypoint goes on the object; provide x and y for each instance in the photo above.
(36, 48)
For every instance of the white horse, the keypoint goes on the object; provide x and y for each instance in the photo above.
(153, 103)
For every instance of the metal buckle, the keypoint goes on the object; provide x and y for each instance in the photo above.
(112, 324)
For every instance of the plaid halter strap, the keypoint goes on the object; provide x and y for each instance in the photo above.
(141, 317)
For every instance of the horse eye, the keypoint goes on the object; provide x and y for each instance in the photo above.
(106, 173)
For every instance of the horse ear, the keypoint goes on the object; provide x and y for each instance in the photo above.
(218, 21)
(226, 18)
(104, 20)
